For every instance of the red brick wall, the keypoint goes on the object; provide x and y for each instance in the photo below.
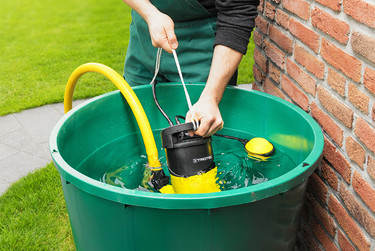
(320, 55)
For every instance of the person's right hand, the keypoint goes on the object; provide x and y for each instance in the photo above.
(162, 34)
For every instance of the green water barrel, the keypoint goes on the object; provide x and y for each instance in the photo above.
(263, 216)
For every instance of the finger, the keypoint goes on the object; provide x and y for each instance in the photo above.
(215, 126)
(171, 36)
(172, 39)
(161, 42)
(165, 45)
(206, 124)
(188, 118)
(214, 129)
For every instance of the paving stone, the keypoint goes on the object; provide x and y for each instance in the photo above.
(18, 165)
(45, 148)
(60, 106)
(8, 123)
(23, 141)
(3, 186)
(6, 151)
(248, 87)
(39, 122)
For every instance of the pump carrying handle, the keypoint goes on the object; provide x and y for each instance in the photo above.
(131, 98)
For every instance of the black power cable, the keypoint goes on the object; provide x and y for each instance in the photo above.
(243, 141)
(158, 105)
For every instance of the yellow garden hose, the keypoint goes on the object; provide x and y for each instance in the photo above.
(131, 98)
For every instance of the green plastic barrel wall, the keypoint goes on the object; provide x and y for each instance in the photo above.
(263, 216)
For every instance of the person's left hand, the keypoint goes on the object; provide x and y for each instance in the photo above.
(206, 110)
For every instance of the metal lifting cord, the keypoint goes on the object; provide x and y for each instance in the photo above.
(153, 83)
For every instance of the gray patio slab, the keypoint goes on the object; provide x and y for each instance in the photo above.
(3, 186)
(8, 123)
(18, 165)
(39, 122)
(24, 138)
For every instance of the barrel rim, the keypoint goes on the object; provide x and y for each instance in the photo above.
(249, 194)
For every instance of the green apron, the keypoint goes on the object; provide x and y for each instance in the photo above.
(195, 30)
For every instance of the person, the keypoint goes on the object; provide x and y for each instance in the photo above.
(211, 37)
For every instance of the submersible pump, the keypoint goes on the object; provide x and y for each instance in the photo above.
(186, 155)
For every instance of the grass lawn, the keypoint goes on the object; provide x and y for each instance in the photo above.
(245, 70)
(33, 215)
(41, 43)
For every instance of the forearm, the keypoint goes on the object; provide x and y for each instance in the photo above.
(143, 7)
(161, 26)
(225, 62)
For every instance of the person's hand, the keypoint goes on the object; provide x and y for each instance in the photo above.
(206, 110)
(162, 34)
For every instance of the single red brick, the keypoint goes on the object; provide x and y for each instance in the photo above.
(261, 24)
(329, 175)
(344, 243)
(358, 98)
(321, 214)
(322, 237)
(261, 6)
(364, 45)
(299, 7)
(330, 25)
(273, 53)
(356, 209)
(336, 81)
(336, 107)
(274, 73)
(270, 11)
(361, 11)
(333, 4)
(365, 133)
(260, 60)
(258, 75)
(282, 40)
(337, 160)
(355, 151)
(294, 93)
(329, 126)
(309, 61)
(371, 167)
(258, 38)
(282, 19)
(373, 112)
(369, 79)
(348, 224)
(317, 187)
(302, 78)
(348, 64)
(270, 88)
(364, 190)
(307, 36)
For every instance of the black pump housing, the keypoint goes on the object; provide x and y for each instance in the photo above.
(186, 155)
